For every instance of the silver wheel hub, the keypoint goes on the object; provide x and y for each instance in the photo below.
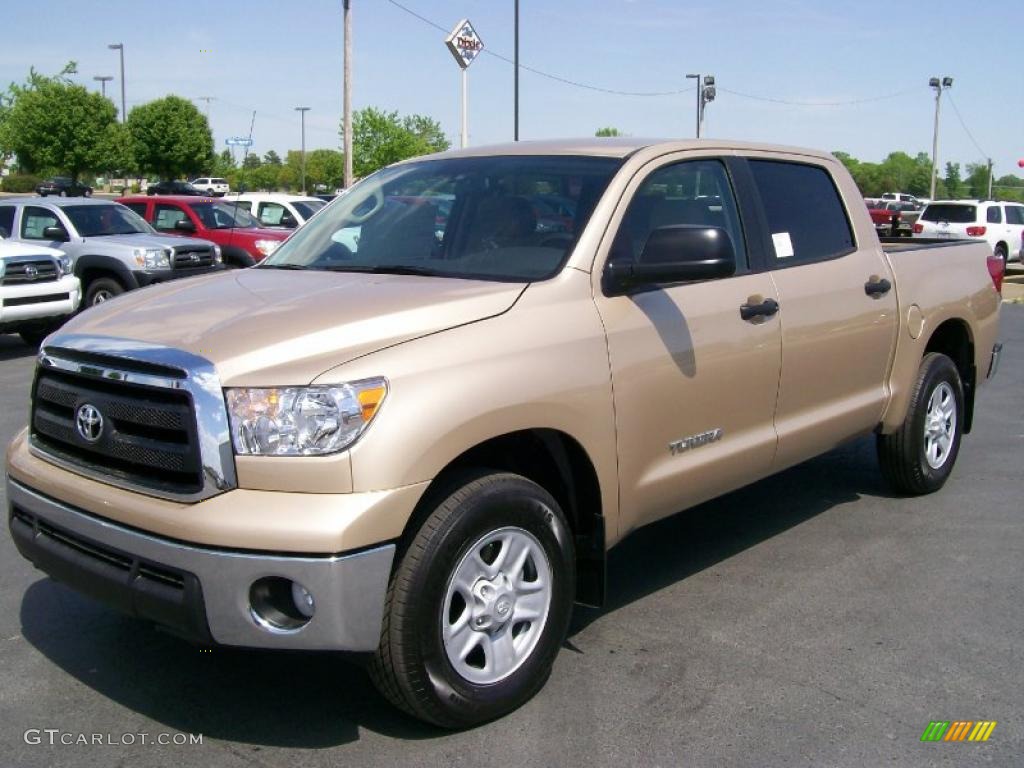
(939, 425)
(496, 605)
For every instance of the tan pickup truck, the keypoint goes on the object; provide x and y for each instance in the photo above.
(417, 428)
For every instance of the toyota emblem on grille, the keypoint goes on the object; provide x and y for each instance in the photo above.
(89, 422)
(31, 272)
(195, 257)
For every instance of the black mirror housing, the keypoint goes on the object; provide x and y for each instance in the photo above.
(185, 225)
(677, 253)
(56, 233)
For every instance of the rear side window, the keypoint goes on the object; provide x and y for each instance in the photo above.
(1014, 215)
(139, 208)
(805, 214)
(994, 215)
(951, 213)
(6, 220)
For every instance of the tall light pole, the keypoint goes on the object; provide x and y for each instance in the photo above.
(103, 80)
(939, 86)
(707, 95)
(119, 47)
(302, 111)
(347, 95)
(697, 78)
(515, 133)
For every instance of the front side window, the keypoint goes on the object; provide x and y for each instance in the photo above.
(6, 220)
(223, 216)
(112, 219)
(271, 214)
(994, 215)
(34, 222)
(695, 193)
(166, 217)
(805, 214)
(475, 218)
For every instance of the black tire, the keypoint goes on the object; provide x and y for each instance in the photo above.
(101, 289)
(902, 454)
(87, 193)
(1002, 254)
(411, 667)
(63, 193)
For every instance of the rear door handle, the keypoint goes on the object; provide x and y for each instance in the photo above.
(766, 308)
(877, 287)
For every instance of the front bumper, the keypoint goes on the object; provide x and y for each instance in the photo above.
(199, 592)
(39, 301)
(151, 277)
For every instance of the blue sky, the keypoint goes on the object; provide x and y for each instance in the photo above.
(270, 56)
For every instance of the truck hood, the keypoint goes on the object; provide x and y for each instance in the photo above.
(143, 241)
(268, 327)
(8, 248)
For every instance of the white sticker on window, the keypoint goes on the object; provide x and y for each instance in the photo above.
(783, 245)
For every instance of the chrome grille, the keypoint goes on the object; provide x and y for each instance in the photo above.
(41, 269)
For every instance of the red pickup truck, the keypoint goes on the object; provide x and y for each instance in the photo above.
(241, 239)
(893, 218)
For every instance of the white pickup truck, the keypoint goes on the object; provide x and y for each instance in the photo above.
(38, 290)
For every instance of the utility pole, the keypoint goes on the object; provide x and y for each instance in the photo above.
(103, 80)
(697, 78)
(119, 47)
(939, 86)
(347, 94)
(990, 178)
(705, 94)
(515, 135)
(302, 111)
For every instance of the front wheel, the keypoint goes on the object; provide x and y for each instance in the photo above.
(102, 289)
(479, 603)
(919, 457)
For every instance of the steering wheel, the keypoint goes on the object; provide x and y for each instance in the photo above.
(377, 196)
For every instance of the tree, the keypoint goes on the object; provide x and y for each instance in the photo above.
(52, 124)
(954, 185)
(222, 164)
(323, 166)
(272, 158)
(380, 138)
(977, 180)
(607, 132)
(170, 137)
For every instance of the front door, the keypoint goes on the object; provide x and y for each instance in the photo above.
(694, 382)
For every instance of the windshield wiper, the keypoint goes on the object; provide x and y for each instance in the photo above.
(283, 266)
(383, 269)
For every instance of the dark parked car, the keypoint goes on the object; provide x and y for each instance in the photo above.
(63, 187)
(174, 188)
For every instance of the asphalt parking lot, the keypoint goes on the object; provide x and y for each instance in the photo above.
(811, 619)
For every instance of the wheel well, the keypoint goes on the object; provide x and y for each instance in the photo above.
(557, 463)
(95, 273)
(953, 339)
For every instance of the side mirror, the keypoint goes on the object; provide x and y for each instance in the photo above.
(677, 253)
(57, 233)
(185, 225)
(287, 220)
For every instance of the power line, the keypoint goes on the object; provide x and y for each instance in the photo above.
(966, 129)
(787, 102)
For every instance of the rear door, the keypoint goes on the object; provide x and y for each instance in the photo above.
(694, 383)
(1015, 228)
(837, 309)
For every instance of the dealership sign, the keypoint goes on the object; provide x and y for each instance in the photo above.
(464, 43)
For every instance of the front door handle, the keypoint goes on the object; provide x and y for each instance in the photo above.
(876, 287)
(766, 308)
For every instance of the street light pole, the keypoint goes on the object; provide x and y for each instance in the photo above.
(119, 47)
(347, 94)
(103, 80)
(302, 111)
(697, 78)
(939, 86)
(515, 135)
(707, 95)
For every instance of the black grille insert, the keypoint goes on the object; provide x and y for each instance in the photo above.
(147, 437)
(192, 257)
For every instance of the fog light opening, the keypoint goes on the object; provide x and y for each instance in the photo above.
(280, 605)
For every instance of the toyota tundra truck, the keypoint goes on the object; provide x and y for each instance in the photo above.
(422, 445)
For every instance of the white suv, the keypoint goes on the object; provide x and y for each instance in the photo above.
(1001, 225)
(217, 187)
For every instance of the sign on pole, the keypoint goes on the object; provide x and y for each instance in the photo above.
(238, 141)
(465, 45)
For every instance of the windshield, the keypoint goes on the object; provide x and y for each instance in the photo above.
(472, 218)
(953, 214)
(307, 208)
(113, 219)
(223, 216)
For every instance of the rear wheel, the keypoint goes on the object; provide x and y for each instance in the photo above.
(1002, 254)
(479, 603)
(102, 289)
(919, 456)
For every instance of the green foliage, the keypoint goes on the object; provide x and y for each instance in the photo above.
(19, 182)
(272, 158)
(380, 138)
(324, 166)
(54, 125)
(170, 137)
(977, 180)
(607, 132)
(222, 164)
(954, 184)
(899, 172)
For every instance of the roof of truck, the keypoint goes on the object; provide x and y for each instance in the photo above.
(619, 147)
(60, 202)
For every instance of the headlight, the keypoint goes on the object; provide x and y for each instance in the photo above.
(153, 258)
(63, 264)
(302, 421)
(267, 247)
(218, 257)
